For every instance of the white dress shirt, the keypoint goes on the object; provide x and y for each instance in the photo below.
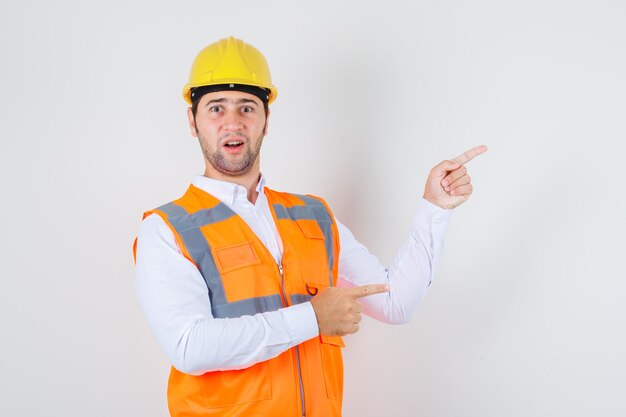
(175, 298)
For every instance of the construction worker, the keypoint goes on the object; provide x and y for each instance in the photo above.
(248, 289)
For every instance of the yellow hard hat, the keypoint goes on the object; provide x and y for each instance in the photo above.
(230, 61)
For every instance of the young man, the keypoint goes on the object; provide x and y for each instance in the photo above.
(247, 288)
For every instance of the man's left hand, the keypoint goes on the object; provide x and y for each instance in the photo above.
(448, 184)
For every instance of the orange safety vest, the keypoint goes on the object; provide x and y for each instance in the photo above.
(243, 278)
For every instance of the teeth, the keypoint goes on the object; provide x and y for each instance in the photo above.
(233, 143)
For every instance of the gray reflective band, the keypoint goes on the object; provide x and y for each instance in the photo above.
(299, 298)
(281, 212)
(188, 227)
(314, 210)
(200, 251)
(172, 209)
(182, 220)
(203, 217)
(247, 307)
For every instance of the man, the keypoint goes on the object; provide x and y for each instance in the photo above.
(246, 288)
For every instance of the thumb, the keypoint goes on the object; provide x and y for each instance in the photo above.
(444, 167)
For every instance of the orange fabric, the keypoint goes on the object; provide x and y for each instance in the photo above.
(248, 270)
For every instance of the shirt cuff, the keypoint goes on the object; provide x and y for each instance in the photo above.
(301, 322)
(432, 217)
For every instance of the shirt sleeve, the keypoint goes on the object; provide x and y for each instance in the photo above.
(410, 273)
(174, 298)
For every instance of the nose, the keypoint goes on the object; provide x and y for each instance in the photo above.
(233, 121)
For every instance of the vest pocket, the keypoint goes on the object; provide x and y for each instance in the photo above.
(313, 255)
(235, 257)
(229, 388)
(310, 229)
(332, 364)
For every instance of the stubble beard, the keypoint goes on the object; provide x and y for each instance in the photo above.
(234, 167)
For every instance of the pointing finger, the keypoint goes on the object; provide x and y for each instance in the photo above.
(365, 290)
(467, 156)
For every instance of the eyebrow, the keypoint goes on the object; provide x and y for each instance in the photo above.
(225, 100)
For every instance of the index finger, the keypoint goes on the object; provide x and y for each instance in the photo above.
(467, 156)
(365, 290)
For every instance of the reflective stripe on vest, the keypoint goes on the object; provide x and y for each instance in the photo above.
(188, 228)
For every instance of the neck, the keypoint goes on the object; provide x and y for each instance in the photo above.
(249, 181)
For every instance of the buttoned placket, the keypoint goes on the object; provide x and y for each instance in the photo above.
(264, 217)
(260, 214)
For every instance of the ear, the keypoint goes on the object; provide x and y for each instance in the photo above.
(267, 119)
(192, 122)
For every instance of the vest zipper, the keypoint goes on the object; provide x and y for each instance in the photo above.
(284, 296)
(282, 285)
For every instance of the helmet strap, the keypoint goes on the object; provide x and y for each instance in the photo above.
(262, 93)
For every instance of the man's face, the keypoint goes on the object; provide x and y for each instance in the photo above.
(230, 126)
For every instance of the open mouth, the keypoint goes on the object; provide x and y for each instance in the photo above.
(233, 144)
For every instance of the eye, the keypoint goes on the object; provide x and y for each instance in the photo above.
(215, 109)
(247, 109)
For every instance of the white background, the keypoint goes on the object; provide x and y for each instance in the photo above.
(526, 317)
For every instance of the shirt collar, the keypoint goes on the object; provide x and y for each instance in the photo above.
(225, 191)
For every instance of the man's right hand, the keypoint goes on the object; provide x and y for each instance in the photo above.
(337, 310)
